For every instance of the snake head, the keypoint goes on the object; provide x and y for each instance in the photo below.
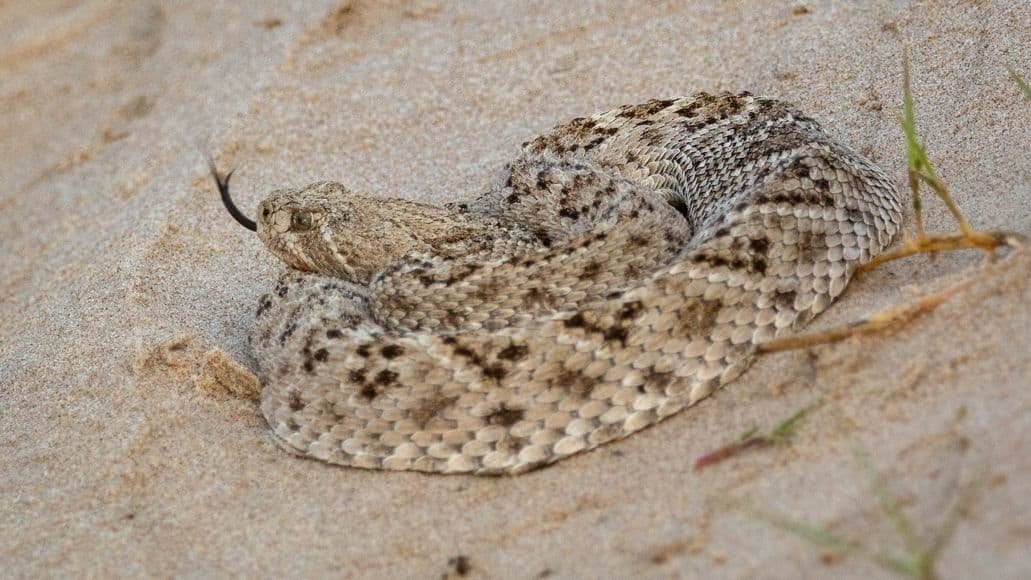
(299, 226)
(328, 229)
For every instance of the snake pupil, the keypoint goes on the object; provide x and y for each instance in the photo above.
(301, 220)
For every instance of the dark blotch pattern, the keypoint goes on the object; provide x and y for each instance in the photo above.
(263, 305)
(392, 351)
(505, 416)
(785, 300)
(296, 404)
(514, 352)
(697, 318)
(575, 383)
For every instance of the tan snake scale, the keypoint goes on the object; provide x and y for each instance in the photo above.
(620, 269)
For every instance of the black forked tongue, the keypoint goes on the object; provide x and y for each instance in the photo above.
(223, 190)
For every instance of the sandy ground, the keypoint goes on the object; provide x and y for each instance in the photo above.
(116, 460)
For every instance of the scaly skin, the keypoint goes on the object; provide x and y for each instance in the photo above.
(620, 269)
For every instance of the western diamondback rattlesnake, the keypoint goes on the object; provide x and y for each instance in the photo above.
(623, 267)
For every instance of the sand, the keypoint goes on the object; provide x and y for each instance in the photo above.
(126, 291)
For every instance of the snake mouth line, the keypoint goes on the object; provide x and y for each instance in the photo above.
(223, 190)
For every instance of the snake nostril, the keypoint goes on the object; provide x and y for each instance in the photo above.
(264, 213)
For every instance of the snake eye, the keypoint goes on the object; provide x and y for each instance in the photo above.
(301, 221)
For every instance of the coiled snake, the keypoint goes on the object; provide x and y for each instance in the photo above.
(621, 268)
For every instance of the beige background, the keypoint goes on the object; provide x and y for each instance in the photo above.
(113, 242)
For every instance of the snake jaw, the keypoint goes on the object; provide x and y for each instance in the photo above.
(223, 190)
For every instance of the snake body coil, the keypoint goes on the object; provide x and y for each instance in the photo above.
(621, 268)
